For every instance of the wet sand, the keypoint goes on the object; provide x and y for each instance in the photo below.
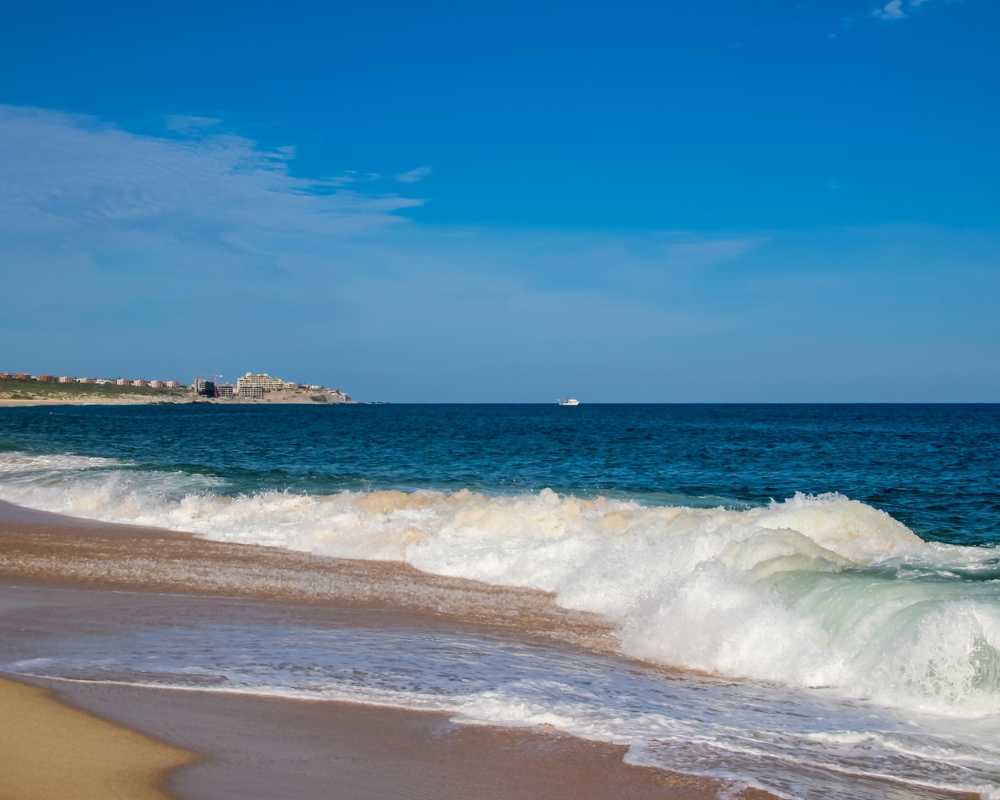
(49, 548)
(266, 748)
(258, 748)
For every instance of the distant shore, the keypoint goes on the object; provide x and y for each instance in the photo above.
(25, 393)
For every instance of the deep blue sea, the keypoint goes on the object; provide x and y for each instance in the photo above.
(826, 576)
(936, 468)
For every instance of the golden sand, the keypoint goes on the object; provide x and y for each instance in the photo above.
(49, 751)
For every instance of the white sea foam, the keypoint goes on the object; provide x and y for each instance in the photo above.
(809, 592)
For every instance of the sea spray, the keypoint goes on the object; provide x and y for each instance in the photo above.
(809, 592)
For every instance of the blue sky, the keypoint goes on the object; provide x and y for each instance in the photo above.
(476, 202)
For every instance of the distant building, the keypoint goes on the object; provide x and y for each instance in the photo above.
(265, 382)
(67, 379)
(47, 378)
(156, 384)
(226, 390)
(204, 388)
(140, 383)
(122, 382)
(6, 376)
(173, 385)
(250, 392)
(85, 380)
(22, 376)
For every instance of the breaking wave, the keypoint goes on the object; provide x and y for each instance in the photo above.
(814, 591)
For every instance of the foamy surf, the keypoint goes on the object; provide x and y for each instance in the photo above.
(809, 592)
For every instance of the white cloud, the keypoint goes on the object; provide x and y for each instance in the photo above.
(77, 183)
(891, 10)
(901, 9)
(414, 175)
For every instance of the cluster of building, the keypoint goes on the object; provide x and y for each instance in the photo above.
(24, 376)
(249, 387)
(254, 387)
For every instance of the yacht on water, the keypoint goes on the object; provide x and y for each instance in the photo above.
(569, 401)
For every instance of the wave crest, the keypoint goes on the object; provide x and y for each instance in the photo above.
(812, 591)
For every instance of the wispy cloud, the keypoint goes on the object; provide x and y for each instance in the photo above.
(353, 176)
(414, 175)
(901, 9)
(72, 178)
(187, 124)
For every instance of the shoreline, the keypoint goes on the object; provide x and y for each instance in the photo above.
(7, 402)
(258, 747)
(255, 747)
(65, 577)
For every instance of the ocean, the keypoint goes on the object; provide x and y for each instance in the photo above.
(804, 598)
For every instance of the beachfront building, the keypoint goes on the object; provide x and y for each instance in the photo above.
(122, 382)
(226, 390)
(156, 384)
(47, 378)
(204, 388)
(249, 392)
(86, 380)
(140, 383)
(22, 376)
(173, 385)
(67, 379)
(264, 382)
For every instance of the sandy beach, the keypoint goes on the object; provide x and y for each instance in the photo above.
(196, 744)
(50, 750)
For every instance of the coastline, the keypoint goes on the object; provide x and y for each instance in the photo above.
(258, 748)
(272, 748)
(141, 400)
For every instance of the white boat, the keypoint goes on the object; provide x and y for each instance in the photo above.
(569, 401)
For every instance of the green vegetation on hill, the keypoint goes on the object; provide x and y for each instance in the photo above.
(31, 390)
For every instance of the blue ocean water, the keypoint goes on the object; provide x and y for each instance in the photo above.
(935, 468)
(827, 577)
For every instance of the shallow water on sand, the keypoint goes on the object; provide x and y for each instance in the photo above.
(796, 743)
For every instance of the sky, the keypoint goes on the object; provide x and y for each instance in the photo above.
(507, 202)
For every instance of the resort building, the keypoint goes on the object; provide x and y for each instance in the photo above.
(22, 376)
(249, 392)
(67, 379)
(86, 380)
(122, 382)
(173, 385)
(47, 378)
(6, 376)
(156, 384)
(140, 383)
(226, 390)
(265, 382)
